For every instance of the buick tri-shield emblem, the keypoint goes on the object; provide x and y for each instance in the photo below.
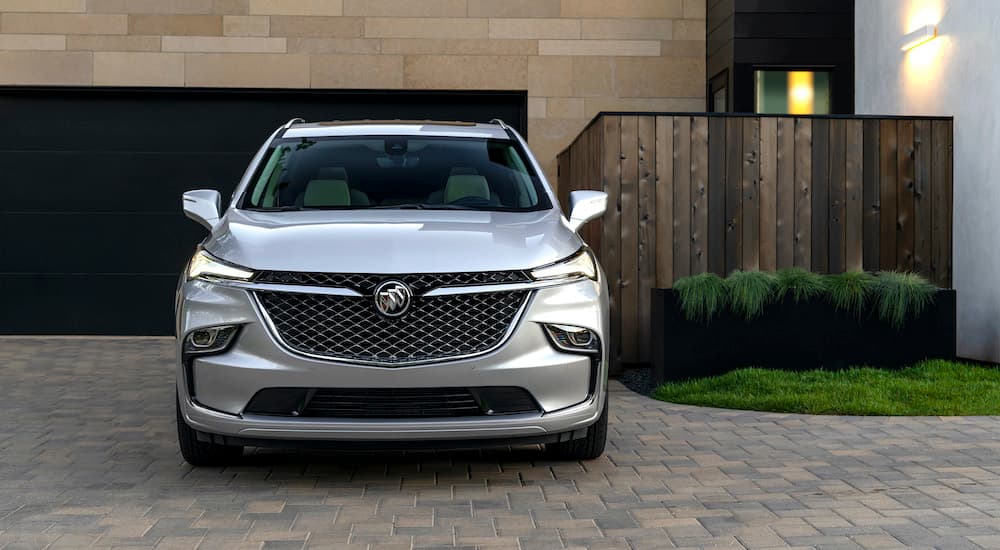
(392, 298)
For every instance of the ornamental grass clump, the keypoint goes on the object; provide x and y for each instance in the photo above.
(748, 292)
(901, 295)
(799, 283)
(701, 296)
(850, 291)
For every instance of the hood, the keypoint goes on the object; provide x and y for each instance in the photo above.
(392, 241)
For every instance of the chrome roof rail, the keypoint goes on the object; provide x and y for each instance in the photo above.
(287, 125)
(295, 120)
(499, 123)
(506, 129)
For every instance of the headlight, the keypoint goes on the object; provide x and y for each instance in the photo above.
(204, 266)
(581, 264)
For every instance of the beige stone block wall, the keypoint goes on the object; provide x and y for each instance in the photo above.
(138, 69)
(574, 58)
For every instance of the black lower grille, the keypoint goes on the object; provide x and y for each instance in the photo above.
(392, 403)
(404, 403)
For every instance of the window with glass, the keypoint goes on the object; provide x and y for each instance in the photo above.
(420, 172)
(792, 92)
(718, 93)
(719, 100)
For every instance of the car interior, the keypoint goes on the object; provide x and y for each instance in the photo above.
(396, 171)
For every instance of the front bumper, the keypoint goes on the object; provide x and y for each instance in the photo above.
(570, 388)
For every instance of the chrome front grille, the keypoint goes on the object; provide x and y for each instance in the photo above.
(349, 328)
(365, 283)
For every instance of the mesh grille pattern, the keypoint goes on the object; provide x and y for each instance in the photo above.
(366, 283)
(348, 327)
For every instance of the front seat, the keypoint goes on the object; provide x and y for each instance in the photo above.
(326, 193)
(437, 196)
(463, 186)
(358, 197)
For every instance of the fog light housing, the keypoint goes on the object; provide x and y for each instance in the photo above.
(573, 339)
(210, 339)
(204, 341)
(280, 401)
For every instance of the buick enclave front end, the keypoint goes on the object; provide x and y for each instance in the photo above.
(392, 284)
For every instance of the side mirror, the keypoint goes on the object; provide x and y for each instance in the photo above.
(585, 206)
(202, 206)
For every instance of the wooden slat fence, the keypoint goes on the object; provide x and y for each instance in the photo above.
(690, 193)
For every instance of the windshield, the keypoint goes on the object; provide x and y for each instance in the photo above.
(395, 172)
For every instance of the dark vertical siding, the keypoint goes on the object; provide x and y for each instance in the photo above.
(699, 194)
(665, 201)
(871, 195)
(751, 202)
(691, 193)
(734, 194)
(904, 195)
(942, 198)
(922, 193)
(767, 191)
(821, 196)
(785, 208)
(610, 251)
(629, 252)
(682, 196)
(647, 228)
(853, 200)
(717, 195)
(837, 259)
(887, 194)
(803, 193)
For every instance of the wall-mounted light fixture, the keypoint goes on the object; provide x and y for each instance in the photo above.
(923, 34)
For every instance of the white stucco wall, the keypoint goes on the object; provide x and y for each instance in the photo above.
(956, 74)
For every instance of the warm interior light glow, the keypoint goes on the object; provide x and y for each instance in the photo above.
(800, 92)
(923, 34)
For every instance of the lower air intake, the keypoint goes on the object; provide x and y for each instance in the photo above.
(392, 403)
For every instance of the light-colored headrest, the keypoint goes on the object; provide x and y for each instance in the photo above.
(321, 193)
(466, 185)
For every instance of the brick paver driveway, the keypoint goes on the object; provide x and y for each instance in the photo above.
(88, 457)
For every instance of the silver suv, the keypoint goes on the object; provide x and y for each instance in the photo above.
(401, 284)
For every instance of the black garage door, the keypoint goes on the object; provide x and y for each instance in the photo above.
(91, 234)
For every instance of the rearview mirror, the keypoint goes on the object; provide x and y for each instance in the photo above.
(203, 206)
(585, 206)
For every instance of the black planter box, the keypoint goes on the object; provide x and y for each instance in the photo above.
(791, 335)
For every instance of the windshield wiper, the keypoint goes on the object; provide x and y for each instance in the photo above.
(425, 206)
(406, 206)
(289, 208)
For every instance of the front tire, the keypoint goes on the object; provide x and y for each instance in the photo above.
(200, 453)
(586, 448)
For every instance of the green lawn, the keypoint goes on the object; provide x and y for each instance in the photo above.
(928, 388)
